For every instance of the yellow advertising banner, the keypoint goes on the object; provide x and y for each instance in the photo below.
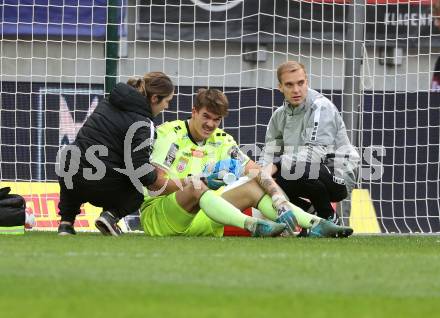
(42, 200)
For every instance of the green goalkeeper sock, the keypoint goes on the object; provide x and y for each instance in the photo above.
(265, 206)
(304, 219)
(221, 211)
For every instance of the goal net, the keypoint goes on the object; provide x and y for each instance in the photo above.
(377, 60)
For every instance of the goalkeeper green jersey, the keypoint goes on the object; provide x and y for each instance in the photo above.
(180, 155)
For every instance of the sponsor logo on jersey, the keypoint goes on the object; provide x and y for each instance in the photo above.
(215, 144)
(171, 155)
(198, 153)
(183, 162)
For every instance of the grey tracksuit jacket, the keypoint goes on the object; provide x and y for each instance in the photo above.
(308, 133)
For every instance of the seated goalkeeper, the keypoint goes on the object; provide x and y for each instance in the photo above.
(190, 157)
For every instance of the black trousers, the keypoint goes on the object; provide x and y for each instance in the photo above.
(116, 195)
(321, 192)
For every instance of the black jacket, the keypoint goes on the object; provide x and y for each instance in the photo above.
(108, 126)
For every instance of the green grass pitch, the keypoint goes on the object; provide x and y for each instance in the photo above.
(43, 275)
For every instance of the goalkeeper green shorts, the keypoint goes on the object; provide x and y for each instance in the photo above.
(165, 217)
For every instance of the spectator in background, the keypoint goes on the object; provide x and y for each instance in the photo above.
(307, 141)
(129, 105)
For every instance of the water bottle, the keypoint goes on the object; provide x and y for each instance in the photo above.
(229, 178)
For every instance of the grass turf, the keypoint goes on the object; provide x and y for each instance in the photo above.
(43, 275)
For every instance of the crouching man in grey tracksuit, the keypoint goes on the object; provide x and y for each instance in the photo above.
(307, 141)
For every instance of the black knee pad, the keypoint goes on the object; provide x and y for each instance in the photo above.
(338, 193)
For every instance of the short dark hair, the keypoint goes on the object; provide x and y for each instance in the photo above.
(213, 99)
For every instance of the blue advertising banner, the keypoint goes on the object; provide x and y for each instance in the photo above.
(85, 19)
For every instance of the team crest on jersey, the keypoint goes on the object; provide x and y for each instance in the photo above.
(183, 162)
(197, 153)
(171, 155)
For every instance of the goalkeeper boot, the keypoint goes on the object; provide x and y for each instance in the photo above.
(334, 218)
(326, 228)
(266, 228)
(107, 224)
(289, 219)
(303, 233)
(66, 228)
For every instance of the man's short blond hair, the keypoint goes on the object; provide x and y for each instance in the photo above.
(289, 66)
